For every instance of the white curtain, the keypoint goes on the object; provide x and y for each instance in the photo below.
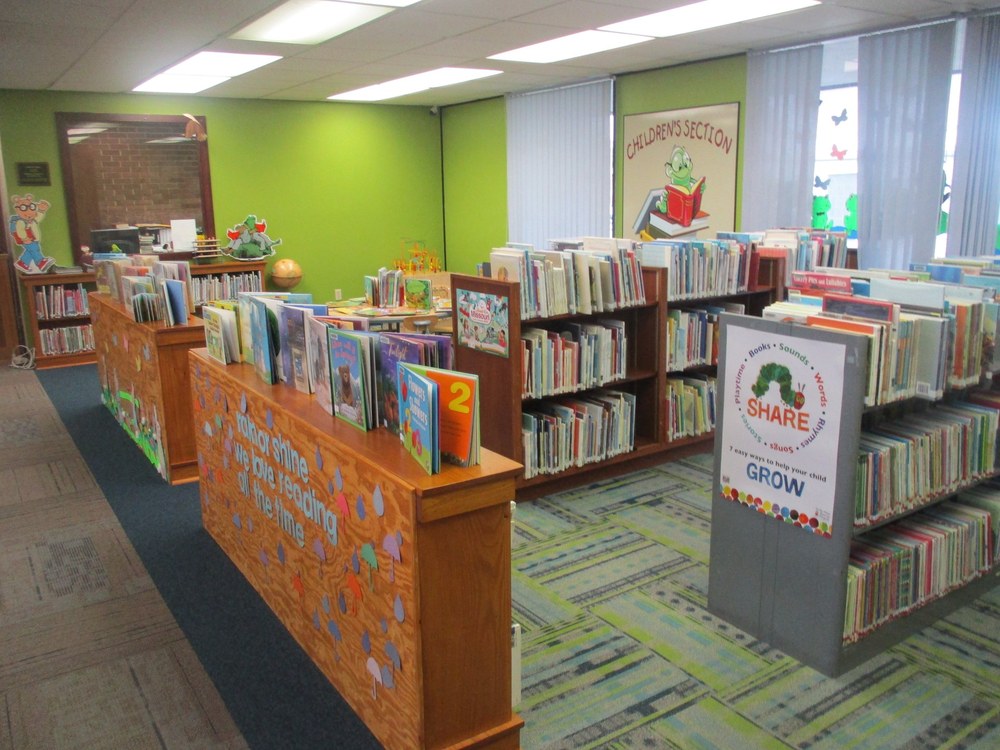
(779, 161)
(975, 183)
(559, 162)
(903, 82)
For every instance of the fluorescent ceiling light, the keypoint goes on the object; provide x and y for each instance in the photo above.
(392, 3)
(411, 84)
(84, 131)
(204, 70)
(705, 15)
(568, 47)
(312, 21)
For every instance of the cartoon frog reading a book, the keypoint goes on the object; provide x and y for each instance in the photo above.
(680, 172)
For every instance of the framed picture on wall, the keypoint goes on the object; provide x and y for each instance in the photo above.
(679, 172)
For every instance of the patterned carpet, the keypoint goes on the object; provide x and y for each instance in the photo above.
(619, 650)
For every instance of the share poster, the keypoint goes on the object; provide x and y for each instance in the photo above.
(781, 426)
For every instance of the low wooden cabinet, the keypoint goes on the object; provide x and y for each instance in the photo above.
(394, 582)
(144, 383)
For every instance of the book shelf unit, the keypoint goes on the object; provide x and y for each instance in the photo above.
(227, 270)
(51, 284)
(394, 582)
(646, 330)
(55, 285)
(780, 583)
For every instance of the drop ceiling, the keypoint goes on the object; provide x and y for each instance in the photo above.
(113, 45)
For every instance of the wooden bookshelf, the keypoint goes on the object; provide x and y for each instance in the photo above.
(500, 377)
(394, 582)
(40, 323)
(144, 382)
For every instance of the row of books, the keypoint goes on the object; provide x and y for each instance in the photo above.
(384, 289)
(693, 334)
(61, 301)
(808, 249)
(945, 343)
(701, 268)
(66, 340)
(222, 286)
(572, 357)
(907, 461)
(581, 276)
(370, 379)
(899, 567)
(690, 406)
(572, 431)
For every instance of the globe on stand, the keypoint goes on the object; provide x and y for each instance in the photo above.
(286, 273)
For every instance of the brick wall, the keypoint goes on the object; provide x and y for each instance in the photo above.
(138, 182)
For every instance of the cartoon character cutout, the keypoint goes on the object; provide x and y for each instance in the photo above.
(248, 241)
(681, 198)
(24, 229)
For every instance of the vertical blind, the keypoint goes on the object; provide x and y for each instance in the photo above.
(780, 156)
(903, 82)
(975, 185)
(559, 163)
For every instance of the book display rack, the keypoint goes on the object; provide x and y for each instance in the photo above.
(395, 583)
(834, 532)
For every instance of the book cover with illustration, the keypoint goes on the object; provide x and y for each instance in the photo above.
(319, 363)
(346, 374)
(458, 414)
(394, 348)
(418, 293)
(419, 417)
(214, 341)
(264, 337)
(295, 353)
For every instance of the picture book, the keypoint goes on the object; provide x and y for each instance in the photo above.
(458, 414)
(483, 321)
(214, 341)
(243, 301)
(177, 300)
(233, 307)
(394, 348)
(418, 293)
(319, 362)
(264, 337)
(419, 417)
(346, 373)
(295, 352)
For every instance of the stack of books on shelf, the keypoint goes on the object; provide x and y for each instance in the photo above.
(898, 568)
(908, 461)
(385, 289)
(693, 334)
(223, 286)
(61, 301)
(568, 432)
(701, 268)
(572, 357)
(369, 379)
(67, 339)
(581, 276)
(690, 406)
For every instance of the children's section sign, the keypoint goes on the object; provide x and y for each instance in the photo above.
(679, 172)
(323, 538)
(781, 426)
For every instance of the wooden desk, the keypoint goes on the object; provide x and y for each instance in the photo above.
(396, 583)
(144, 382)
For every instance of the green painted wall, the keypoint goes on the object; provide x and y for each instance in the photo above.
(475, 181)
(343, 185)
(696, 85)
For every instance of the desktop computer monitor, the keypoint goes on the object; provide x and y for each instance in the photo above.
(104, 240)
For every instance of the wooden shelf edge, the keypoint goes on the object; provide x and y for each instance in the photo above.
(51, 361)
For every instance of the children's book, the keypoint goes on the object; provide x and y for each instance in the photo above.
(177, 300)
(458, 414)
(319, 362)
(394, 348)
(347, 369)
(419, 417)
(243, 301)
(233, 307)
(295, 352)
(214, 340)
(418, 293)
(264, 337)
